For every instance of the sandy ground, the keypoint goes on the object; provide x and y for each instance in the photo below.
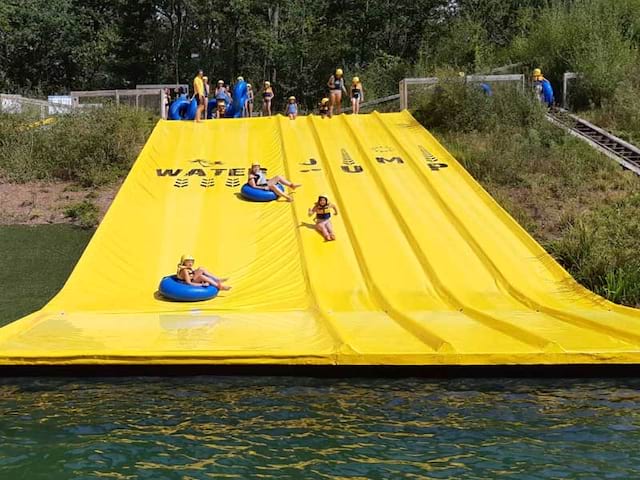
(36, 203)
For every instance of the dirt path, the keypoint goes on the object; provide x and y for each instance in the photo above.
(36, 203)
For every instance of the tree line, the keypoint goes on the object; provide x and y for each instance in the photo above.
(55, 46)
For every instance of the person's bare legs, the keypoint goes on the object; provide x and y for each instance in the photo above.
(284, 181)
(274, 188)
(329, 228)
(199, 110)
(200, 276)
(338, 103)
(321, 227)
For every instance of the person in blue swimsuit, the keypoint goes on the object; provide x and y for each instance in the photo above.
(292, 108)
(322, 210)
(336, 87)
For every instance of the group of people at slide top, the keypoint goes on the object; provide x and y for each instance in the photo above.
(223, 97)
(321, 208)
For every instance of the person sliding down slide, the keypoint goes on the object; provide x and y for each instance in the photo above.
(199, 276)
(257, 179)
(322, 208)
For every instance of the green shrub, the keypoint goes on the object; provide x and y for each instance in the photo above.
(85, 213)
(456, 105)
(91, 147)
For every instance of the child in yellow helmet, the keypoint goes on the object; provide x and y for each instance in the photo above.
(336, 87)
(267, 96)
(323, 107)
(292, 108)
(221, 108)
(322, 210)
(357, 95)
(198, 276)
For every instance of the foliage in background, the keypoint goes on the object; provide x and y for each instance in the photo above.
(84, 214)
(92, 147)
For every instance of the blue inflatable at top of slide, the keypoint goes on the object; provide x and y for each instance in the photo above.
(547, 92)
(234, 110)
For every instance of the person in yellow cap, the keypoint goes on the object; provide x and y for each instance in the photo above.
(198, 276)
(258, 179)
(267, 96)
(198, 94)
(322, 210)
(357, 95)
(336, 87)
(292, 108)
(323, 108)
(542, 87)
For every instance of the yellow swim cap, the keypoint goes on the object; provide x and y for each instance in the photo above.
(339, 72)
(356, 80)
(537, 72)
(324, 100)
(240, 79)
(186, 257)
(248, 85)
(220, 82)
(205, 78)
(267, 83)
(292, 97)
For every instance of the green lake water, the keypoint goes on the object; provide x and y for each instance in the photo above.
(288, 427)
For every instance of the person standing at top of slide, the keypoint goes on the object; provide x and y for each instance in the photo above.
(336, 87)
(357, 95)
(205, 80)
(198, 92)
(267, 96)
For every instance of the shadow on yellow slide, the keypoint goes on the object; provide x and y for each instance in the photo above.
(427, 268)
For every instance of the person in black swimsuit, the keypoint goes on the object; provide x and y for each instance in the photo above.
(198, 276)
(322, 210)
(357, 95)
(257, 179)
(336, 87)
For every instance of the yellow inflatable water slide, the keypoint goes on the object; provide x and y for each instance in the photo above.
(427, 268)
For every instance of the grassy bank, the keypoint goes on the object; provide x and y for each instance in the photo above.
(36, 262)
(580, 205)
(91, 148)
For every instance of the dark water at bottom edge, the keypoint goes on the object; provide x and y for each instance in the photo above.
(291, 427)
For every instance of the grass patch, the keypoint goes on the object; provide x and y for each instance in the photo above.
(35, 264)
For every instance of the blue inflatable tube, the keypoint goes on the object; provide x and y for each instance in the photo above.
(257, 195)
(177, 290)
(234, 110)
(183, 109)
(547, 92)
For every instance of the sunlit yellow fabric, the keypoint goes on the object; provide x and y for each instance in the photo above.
(426, 269)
